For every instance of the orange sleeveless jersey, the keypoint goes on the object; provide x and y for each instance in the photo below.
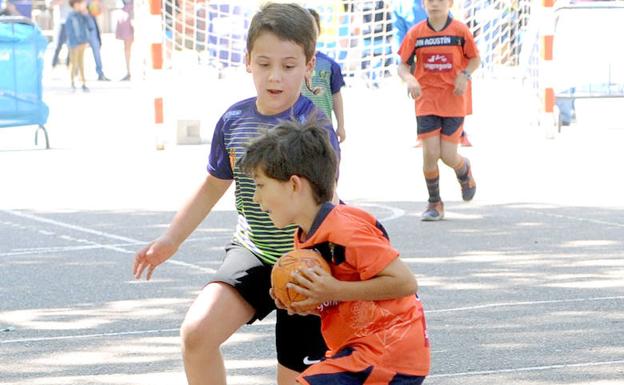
(389, 335)
(440, 57)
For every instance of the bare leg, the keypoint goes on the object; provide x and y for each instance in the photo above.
(431, 153)
(449, 154)
(286, 376)
(217, 313)
(127, 52)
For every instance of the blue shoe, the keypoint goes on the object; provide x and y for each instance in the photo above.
(434, 212)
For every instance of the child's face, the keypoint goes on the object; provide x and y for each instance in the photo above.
(438, 9)
(274, 197)
(278, 68)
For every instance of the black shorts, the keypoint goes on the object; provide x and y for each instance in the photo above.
(449, 128)
(298, 339)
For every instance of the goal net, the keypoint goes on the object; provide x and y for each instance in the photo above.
(362, 36)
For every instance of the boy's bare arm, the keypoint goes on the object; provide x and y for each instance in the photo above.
(182, 225)
(404, 72)
(473, 64)
(464, 75)
(197, 208)
(339, 113)
(395, 281)
(413, 87)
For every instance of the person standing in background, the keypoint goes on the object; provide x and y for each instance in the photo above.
(325, 85)
(125, 31)
(64, 10)
(95, 38)
(77, 26)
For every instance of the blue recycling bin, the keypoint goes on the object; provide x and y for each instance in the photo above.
(22, 46)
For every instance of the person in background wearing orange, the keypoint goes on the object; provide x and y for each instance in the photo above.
(445, 56)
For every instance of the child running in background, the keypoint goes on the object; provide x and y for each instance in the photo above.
(445, 55)
(372, 320)
(325, 85)
(281, 42)
(77, 29)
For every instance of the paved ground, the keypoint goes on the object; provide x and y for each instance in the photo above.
(522, 286)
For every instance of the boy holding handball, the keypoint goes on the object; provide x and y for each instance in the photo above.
(372, 321)
(281, 42)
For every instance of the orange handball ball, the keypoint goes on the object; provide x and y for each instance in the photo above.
(282, 274)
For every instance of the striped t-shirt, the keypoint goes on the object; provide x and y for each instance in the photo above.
(328, 76)
(240, 124)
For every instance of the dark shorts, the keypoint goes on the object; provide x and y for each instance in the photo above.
(298, 339)
(346, 369)
(448, 128)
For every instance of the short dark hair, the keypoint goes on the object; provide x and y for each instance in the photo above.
(290, 22)
(317, 19)
(73, 2)
(293, 148)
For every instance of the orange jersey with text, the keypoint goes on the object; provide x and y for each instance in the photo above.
(388, 336)
(440, 57)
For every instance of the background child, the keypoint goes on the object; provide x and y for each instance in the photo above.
(61, 39)
(445, 55)
(95, 37)
(125, 31)
(372, 321)
(280, 53)
(77, 29)
(327, 79)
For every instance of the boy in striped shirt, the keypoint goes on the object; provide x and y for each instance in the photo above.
(281, 43)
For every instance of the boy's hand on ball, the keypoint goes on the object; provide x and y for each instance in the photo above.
(305, 304)
(316, 284)
(278, 303)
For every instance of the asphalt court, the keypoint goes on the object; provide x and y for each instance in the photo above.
(514, 293)
(523, 286)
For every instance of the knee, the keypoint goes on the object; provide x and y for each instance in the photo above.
(450, 159)
(194, 337)
(431, 157)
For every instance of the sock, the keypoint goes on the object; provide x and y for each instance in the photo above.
(461, 169)
(433, 185)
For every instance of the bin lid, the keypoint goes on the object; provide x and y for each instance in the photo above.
(17, 29)
(16, 19)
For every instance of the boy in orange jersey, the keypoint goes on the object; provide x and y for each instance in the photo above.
(445, 55)
(372, 321)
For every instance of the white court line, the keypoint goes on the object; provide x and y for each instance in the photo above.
(580, 219)
(528, 369)
(395, 212)
(68, 226)
(104, 235)
(507, 304)
(60, 249)
(80, 336)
